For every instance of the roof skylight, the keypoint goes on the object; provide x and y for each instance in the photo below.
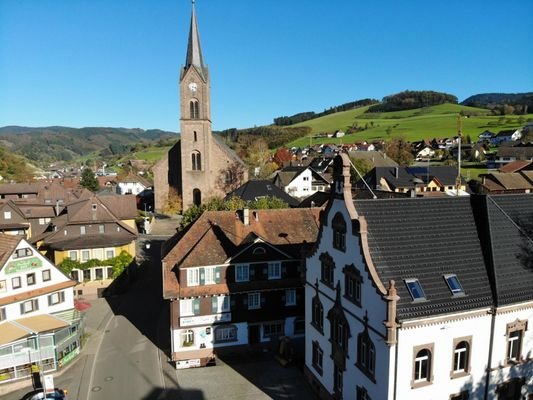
(454, 284)
(415, 289)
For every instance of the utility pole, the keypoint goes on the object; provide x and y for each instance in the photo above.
(459, 133)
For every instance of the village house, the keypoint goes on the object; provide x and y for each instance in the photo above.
(300, 182)
(234, 279)
(257, 189)
(507, 154)
(38, 322)
(420, 298)
(132, 184)
(509, 135)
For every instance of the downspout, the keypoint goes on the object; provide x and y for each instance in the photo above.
(396, 361)
(489, 362)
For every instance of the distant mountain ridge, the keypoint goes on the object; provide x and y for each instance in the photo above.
(56, 143)
(486, 100)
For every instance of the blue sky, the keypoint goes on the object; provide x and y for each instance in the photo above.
(116, 62)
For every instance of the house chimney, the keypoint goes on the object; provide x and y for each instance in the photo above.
(396, 172)
(246, 217)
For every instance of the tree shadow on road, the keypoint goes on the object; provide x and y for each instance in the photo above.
(137, 296)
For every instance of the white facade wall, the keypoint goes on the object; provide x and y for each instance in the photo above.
(371, 303)
(301, 185)
(130, 188)
(13, 310)
(441, 335)
(502, 371)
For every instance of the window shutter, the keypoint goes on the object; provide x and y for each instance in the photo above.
(196, 306)
(217, 274)
(22, 308)
(202, 276)
(49, 300)
(214, 305)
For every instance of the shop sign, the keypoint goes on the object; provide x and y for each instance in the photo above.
(205, 319)
(23, 265)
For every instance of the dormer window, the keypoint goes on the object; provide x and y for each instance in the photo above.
(415, 289)
(454, 285)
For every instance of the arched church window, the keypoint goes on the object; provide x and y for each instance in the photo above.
(197, 197)
(194, 109)
(196, 161)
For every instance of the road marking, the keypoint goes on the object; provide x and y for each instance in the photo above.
(96, 354)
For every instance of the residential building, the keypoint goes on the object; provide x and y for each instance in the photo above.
(509, 135)
(235, 279)
(132, 184)
(12, 220)
(200, 164)
(508, 154)
(38, 322)
(376, 158)
(300, 182)
(420, 298)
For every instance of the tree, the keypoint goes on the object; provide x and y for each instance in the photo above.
(362, 165)
(88, 180)
(174, 203)
(399, 150)
(231, 177)
(282, 156)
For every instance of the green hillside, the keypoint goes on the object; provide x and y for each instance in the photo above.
(416, 124)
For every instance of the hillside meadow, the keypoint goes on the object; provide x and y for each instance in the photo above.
(423, 123)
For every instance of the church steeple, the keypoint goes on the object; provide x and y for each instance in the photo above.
(194, 51)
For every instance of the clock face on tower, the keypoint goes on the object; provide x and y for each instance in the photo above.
(193, 87)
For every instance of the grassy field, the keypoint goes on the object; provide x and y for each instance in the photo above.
(151, 154)
(422, 123)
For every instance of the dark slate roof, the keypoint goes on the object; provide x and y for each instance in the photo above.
(426, 238)
(510, 242)
(404, 179)
(253, 190)
(446, 175)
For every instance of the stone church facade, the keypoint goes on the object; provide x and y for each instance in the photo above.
(199, 166)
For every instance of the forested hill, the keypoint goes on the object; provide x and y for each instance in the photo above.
(522, 103)
(49, 144)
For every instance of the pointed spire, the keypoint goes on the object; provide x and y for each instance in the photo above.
(194, 51)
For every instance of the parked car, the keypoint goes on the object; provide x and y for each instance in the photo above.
(57, 394)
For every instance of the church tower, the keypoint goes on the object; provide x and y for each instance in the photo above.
(200, 165)
(195, 121)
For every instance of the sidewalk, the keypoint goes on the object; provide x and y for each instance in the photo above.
(95, 319)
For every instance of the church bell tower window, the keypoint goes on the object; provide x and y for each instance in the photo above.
(196, 161)
(194, 109)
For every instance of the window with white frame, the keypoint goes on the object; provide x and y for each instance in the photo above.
(16, 282)
(254, 301)
(210, 275)
(187, 338)
(290, 297)
(7, 214)
(85, 255)
(29, 306)
(109, 253)
(46, 275)
(186, 307)
(422, 365)
(24, 252)
(83, 230)
(274, 270)
(193, 276)
(30, 279)
(515, 334)
(273, 329)
(220, 304)
(56, 298)
(225, 333)
(242, 273)
(461, 355)
(42, 221)
(101, 228)
(98, 254)
(73, 255)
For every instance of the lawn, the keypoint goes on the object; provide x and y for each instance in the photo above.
(423, 123)
(151, 154)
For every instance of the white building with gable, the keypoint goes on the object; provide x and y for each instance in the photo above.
(420, 298)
